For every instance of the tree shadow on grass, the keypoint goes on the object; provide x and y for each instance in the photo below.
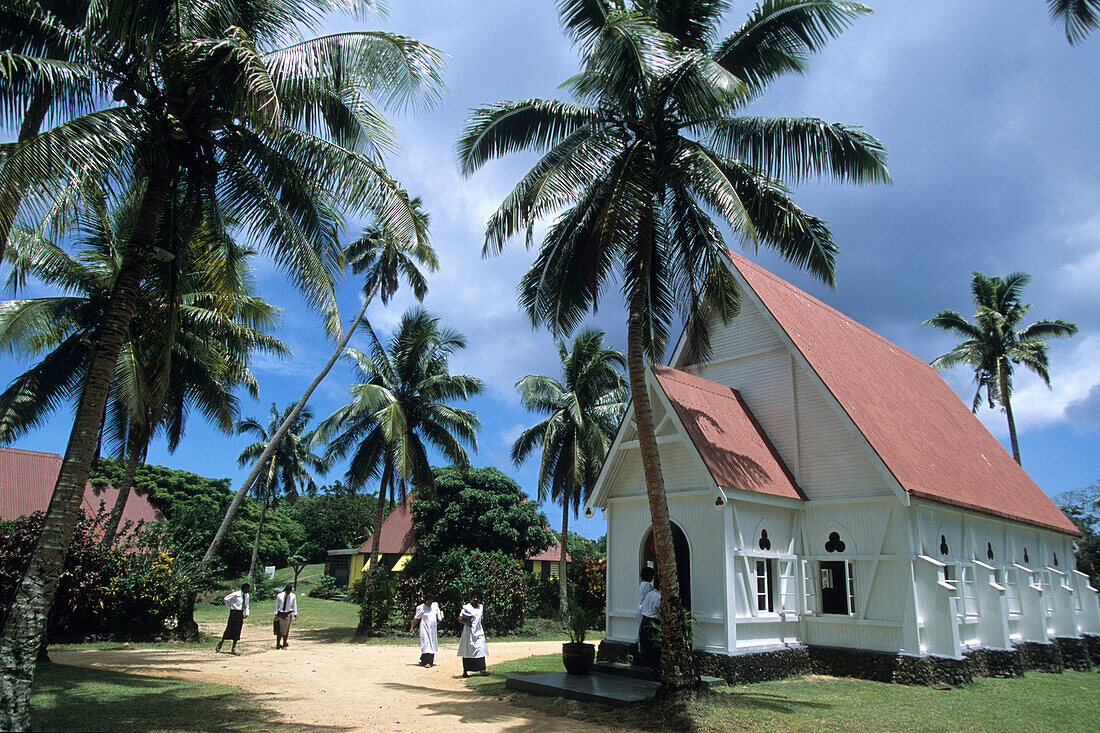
(471, 706)
(88, 699)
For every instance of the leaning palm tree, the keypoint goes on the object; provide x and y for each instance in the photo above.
(652, 149)
(399, 407)
(582, 412)
(995, 342)
(383, 256)
(188, 345)
(1080, 17)
(223, 107)
(289, 466)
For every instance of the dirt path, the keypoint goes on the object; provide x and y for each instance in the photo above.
(347, 687)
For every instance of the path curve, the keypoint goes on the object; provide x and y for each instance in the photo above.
(348, 687)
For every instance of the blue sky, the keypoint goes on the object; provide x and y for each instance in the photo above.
(989, 117)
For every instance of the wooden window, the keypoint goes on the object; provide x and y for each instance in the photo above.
(788, 586)
(764, 572)
(968, 605)
(1012, 591)
(1047, 584)
(809, 588)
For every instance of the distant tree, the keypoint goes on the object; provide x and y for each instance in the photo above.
(289, 465)
(1079, 16)
(477, 509)
(995, 342)
(582, 549)
(582, 412)
(333, 520)
(400, 406)
(1083, 508)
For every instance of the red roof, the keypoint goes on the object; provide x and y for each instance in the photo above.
(729, 440)
(397, 532)
(26, 484)
(398, 538)
(928, 439)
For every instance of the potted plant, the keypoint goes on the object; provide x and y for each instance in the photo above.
(577, 656)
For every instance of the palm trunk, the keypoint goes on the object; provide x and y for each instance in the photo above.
(273, 444)
(677, 668)
(260, 524)
(366, 612)
(36, 588)
(1007, 402)
(134, 459)
(563, 587)
(12, 197)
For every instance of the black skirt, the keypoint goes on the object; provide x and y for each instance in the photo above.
(473, 664)
(233, 626)
(427, 658)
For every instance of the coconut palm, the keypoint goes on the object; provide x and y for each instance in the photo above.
(1079, 16)
(653, 146)
(995, 342)
(222, 107)
(383, 256)
(289, 465)
(189, 341)
(399, 407)
(582, 412)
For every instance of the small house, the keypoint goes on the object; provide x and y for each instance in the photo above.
(836, 507)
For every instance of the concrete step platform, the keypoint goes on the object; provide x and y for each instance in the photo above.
(605, 689)
(641, 673)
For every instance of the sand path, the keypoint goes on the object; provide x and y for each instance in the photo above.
(347, 687)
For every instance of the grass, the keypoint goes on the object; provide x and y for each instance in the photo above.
(78, 698)
(1038, 702)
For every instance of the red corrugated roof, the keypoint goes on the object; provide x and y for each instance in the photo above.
(731, 443)
(27, 479)
(398, 538)
(928, 439)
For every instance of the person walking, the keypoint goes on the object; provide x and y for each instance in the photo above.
(651, 615)
(237, 603)
(286, 610)
(427, 616)
(471, 646)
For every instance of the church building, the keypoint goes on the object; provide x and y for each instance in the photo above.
(837, 508)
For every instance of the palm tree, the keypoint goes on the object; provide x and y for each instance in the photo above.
(288, 466)
(189, 341)
(652, 145)
(384, 256)
(1079, 16)
(581, 417)
(223, 106)
(995, 342)
(398, 408)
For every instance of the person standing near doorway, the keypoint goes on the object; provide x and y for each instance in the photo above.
(651, 615)
(237, 603)
(471, 646)
(286, 610)
(644, 587)
(427, 616)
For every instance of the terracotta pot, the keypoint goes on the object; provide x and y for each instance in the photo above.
(578, 658)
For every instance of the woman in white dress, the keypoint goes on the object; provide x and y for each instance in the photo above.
(472, 647)
(427, 616)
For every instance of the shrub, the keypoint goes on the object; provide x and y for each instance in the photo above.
(383, 597)
(327, 588)
(453, 576)
(590, 577)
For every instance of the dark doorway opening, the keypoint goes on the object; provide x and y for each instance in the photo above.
(834, 587)
(683, 566)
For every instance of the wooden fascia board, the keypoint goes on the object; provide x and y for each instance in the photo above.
(610, 465)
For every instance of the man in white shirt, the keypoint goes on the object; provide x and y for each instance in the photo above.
(651, 614)
(644, 587)
(237, 602)
(286, 610)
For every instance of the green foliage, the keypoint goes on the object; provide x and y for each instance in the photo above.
(382, 601)
(327, 588)
(582, 549)
(590, 588)
(498, 576)
(1083, 509)
(477, 509)
(335, 521)
(131, 591)
(577, 624)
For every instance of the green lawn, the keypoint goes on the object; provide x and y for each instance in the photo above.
(75, 698)
(1038, 702)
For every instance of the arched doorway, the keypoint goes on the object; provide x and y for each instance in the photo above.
(683, 566)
